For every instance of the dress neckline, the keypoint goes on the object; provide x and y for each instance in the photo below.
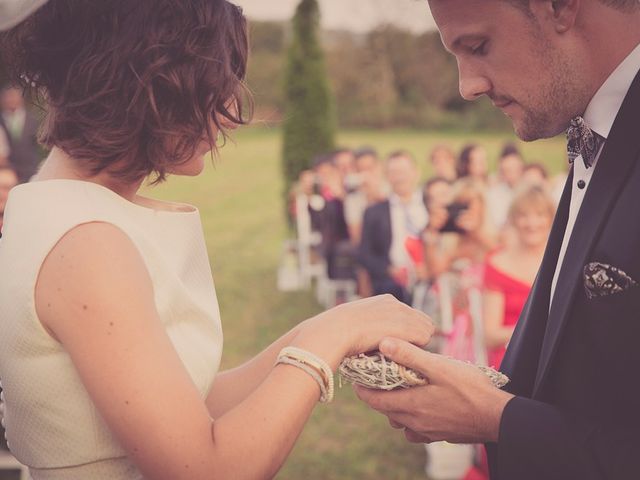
(167, 208)
(491, 265)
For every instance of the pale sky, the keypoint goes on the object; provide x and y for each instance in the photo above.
(355, 15)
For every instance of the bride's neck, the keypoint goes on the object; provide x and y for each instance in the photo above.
(59, 165)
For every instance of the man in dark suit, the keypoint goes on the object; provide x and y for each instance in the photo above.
(571, 410)
(20, 128)
(389, 225)
(374, 250)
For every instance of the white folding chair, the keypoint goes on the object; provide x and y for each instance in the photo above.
(289, 277)
(307, 240)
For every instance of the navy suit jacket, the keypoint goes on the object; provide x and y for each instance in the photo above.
(376, 241)
(576, 369)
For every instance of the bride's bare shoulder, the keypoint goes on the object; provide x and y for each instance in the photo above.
(93, 266)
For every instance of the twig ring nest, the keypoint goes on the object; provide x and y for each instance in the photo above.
(373, 370)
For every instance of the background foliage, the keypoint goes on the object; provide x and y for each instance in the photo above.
(385, 78)
(309, 124)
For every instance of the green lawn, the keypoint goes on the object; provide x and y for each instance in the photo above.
(240, 203)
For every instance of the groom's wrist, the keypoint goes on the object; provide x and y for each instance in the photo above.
(496, 404)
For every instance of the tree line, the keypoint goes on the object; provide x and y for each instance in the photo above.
(386, 78)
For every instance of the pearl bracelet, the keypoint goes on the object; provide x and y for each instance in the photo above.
(317, 368)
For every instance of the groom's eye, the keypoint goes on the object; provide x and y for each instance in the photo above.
(479, 49)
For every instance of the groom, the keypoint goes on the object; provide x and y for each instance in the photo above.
(572, 409)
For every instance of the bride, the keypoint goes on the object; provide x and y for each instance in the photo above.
(111, 337)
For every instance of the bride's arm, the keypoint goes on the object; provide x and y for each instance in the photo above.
(95, 295)
(232, 386)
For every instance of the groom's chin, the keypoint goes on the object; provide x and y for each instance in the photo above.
(528, 132)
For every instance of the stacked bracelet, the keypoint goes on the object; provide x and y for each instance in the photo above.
(317, 368)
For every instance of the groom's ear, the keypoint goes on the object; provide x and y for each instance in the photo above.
(560, 15)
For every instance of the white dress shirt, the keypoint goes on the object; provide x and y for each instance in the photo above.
(406, 219)
(499, 198)
(599, 116)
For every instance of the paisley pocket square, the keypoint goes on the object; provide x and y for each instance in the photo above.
(601, 280)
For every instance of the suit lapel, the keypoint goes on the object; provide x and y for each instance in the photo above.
(521, 360)
(386, 232)
(617, 159)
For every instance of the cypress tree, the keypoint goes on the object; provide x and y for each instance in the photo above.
(309, 126)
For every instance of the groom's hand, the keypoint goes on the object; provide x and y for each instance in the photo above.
(459, 404)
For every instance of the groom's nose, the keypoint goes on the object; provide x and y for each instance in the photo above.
(472, 83)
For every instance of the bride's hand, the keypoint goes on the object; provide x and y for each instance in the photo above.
(358, 327)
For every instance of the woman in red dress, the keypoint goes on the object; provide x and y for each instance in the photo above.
(510, 272)
(508, 276)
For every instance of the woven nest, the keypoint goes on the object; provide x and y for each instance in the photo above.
(373, 370)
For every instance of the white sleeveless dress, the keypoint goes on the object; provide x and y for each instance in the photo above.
(51, 423)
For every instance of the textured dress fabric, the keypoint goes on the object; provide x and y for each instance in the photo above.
(52, 425)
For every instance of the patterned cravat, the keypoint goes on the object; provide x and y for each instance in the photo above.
(583, 141)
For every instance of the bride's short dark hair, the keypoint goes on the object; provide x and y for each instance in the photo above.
(137, 82)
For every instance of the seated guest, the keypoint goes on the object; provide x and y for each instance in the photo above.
(371, 188)
(510, 165)
(510, 273)
(536, 175)
(437, 193)
(305, 214)
(344, 161)
(305, 183)
(366, 160)
(500, 195)
(300, 193)
(322, 185)
(20, 127)
(391, 229)
(327, 205)
(371, 177)
(328, 177)
(472, 164)
(443, 162)
(458, 234)
(8, 180)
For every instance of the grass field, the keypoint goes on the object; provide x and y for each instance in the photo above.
(240, 203)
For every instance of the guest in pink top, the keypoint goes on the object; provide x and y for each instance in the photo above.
(510, 272)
